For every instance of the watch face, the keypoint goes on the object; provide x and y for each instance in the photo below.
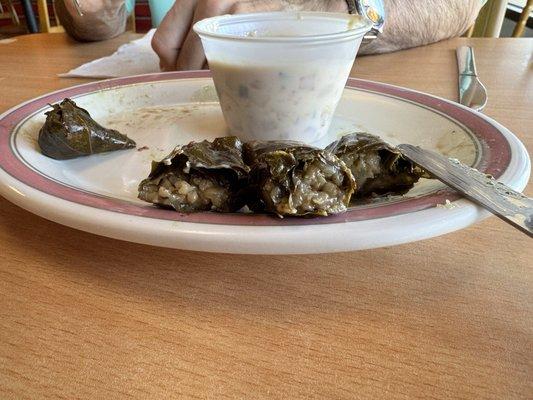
(374, 10)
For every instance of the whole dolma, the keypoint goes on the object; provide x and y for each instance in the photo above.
(70, 132)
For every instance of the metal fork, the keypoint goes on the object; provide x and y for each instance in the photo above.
(472, 93)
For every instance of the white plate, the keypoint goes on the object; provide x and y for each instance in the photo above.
(98, 193)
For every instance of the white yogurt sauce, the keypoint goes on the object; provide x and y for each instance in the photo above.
(270, 102)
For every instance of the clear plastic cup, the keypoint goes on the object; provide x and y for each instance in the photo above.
(280, 75)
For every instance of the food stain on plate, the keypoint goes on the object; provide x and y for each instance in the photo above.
(448, 205)
(205, 94)
(148, 117)
(457, 145)
(29, 132)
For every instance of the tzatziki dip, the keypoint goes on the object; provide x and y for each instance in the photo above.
(278, 101)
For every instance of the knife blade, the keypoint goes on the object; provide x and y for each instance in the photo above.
(472, 93)
(506, 203)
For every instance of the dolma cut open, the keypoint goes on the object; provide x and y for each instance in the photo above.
(377, 167)
(199, 176)
(70, 132)
(292, 179)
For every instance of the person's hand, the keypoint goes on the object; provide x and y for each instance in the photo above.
(178, 47)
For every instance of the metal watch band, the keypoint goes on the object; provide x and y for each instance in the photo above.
(373, 11)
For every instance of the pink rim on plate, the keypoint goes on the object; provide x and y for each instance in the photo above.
(494, 158)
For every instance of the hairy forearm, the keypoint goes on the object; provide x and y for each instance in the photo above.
(101, 19)
(411, 23)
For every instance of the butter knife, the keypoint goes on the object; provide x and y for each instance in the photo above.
(509, 205)
(472, 92)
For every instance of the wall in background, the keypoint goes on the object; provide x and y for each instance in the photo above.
(142, 14)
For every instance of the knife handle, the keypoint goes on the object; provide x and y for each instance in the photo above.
(466, 61)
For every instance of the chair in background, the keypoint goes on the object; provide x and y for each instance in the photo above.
(524, 16)
(131, 25)
(490, 19)
(11, 13)
(44, 19)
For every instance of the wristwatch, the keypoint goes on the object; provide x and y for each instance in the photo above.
(372, 10)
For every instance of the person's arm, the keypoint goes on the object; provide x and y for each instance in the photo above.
(101, 19)
(411, 23)
(178, 47)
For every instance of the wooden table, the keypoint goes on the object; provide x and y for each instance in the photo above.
(82, 316)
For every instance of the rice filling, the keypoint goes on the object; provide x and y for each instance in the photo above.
(187, 192)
